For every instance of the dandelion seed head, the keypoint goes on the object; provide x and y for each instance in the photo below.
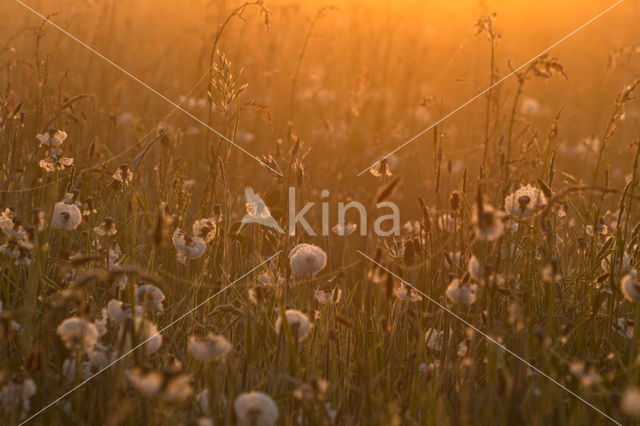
(307, 260)
(78, 334)
(525, 202)
(213, 347)
(299, 324)
(255, 409)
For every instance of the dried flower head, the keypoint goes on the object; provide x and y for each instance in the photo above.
(55, 161)
(381, 168)
(66, 216)
(630, 286)
(307, 260)
(52, 137)
(106, 228)
(525, 201)
(164, 385)
(15, 396)
(298, 324)
(343, 229)
(406, 293)
(255, 409)
(123, 175)
(459, 292)
(188, 247)
(328, 297)
(78, 334)
(150, 297)
(205, 229)
(213, 347)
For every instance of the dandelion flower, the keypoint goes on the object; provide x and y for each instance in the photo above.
(459, 292)
(524, 202)
(406, 293)
(474, 268)
(151, 296)
(15, 396)
(188, 247)
(298, 323)
(90, 207)
(328, 297)
(631, 286)
(165, 386)
(66, 216)
(255, 409)
(307, 260)
(118, 312)
(205, 229)
(146, 332)
(78, 334)
(123, 175)
(343, 229)
(381, 168)
(55, 162)
(210, 348)
(106, 228)
(434, 339)
(52, 137)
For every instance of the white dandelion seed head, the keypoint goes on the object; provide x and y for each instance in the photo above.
(156, 384)
(434, 339)
(148, 295)
(188, 247)
(78, 334)
(66, 217)
(474, 268)
(343, 229)
(15, 396)
(55, 162)
(146, 331)
(307, 260)
(118, 312)
(631, 286)
(205, 229)
(213, 347)
(255, 409)
(107, 228)
(525, 201)
(406, 293)
(457, 292)
(328, 297)
(123, 175)
(52, 137)
(299, 324)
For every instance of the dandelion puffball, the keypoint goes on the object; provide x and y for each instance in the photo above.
(66, 216)
(255, 409)
(630, 286)
(210, 348)
(458, 292)
(298, 323)
(307, 260)
(524, 202)
(188, 247)
(52, 137)
(77, 333)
